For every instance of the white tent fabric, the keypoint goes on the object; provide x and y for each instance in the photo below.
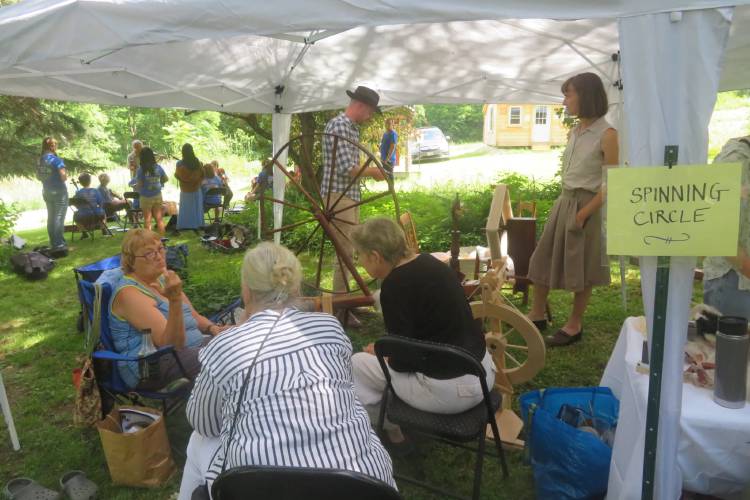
(290, 56)
(233, 55)
(662, 112)
(280, 126)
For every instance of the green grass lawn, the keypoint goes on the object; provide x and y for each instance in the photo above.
(39, 344)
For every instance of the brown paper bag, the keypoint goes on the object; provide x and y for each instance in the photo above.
(141, 458)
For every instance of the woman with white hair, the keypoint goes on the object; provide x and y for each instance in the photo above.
(422, 299)
(278, 389)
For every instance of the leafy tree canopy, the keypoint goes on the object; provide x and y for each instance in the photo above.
(462, 122)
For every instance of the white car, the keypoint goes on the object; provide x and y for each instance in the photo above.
(430, 143)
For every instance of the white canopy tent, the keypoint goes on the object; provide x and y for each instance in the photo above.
(290, 56)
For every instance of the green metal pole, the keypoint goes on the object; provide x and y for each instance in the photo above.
(656, 361)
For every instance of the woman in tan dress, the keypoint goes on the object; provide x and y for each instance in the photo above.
(571, 254)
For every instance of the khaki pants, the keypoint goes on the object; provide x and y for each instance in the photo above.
(347, 219)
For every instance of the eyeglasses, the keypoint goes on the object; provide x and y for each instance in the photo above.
(153, 255)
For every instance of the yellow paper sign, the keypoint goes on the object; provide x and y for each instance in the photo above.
(688, 210)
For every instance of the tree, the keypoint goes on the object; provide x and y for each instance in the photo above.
(462, 122)
(85, 144)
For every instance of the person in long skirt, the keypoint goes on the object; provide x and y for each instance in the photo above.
(189, 173)
(570, 254)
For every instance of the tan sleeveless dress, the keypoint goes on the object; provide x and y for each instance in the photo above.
(567, 257)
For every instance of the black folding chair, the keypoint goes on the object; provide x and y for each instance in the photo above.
(294, 483)
(454, 429)
(207, 207)
(133, 213)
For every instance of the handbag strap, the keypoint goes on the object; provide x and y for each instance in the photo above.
(243, 390)
(92, 334)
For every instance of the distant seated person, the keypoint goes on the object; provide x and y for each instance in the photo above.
(263, 181)
(225, 182)
(113, 202)
(422, 299)
(148, 300)
(90, 213)
(726, 280)
(285, 375)
(211, 181)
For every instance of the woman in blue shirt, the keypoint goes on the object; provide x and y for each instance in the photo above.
(211, 181)
(51, 171)
(150, 178)
(91, 213)
(148, 300)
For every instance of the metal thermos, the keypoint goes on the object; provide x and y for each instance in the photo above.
(731, 362)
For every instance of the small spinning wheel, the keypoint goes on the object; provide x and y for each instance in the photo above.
(514, 342)
(319, 230)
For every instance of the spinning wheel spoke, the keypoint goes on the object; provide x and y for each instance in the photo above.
(342, 233)
(354, 179)
(343, 275)
(289, 204)
(333, 213)
(504, 334)
(301, 247)
(510, 357)
(291, 226)
(515, 346)
(336, 219)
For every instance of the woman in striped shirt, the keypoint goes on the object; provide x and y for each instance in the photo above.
(299, 408)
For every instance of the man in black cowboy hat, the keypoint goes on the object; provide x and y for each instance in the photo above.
(336, 178)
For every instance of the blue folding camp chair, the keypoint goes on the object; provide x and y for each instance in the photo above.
(96, 298)
(90, 273)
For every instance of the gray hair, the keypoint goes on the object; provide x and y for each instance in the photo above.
(381, 235)
(136, 143)
(272, 273)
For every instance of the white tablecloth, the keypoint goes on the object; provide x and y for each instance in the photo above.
(714, 447)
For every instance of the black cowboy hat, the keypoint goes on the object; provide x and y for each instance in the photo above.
(365, 95)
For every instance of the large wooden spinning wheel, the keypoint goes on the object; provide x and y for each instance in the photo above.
(312, 225)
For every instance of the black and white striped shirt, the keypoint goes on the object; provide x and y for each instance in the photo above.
(299, 408)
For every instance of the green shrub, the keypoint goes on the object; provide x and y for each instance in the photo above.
(430, 210)
(8, 217)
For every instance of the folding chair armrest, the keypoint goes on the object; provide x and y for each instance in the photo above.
(112, 356)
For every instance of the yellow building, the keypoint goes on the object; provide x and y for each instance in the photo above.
(538, 126)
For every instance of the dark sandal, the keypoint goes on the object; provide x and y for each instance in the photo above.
(561, 339)
(77, 486)
(23, 488)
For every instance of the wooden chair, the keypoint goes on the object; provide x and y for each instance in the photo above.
(527, 207)
(410, 230)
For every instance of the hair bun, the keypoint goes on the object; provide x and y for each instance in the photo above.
(281, 275)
